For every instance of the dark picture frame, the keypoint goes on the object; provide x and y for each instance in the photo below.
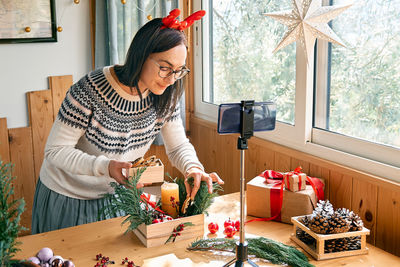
(35, 14)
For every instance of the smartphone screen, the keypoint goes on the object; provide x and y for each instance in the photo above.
(229, 117)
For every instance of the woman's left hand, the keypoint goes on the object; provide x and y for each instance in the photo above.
(198, 176)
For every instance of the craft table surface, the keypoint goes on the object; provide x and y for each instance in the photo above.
(82, 243)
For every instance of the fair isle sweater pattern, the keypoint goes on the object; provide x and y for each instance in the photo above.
(113, 124)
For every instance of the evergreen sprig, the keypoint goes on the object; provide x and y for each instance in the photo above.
(10, 216)
(203, 199)
(126, 199)
(261, 247)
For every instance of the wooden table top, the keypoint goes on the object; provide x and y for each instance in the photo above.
(82, 243)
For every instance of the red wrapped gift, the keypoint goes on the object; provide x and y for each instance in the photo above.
(267, 198)
(295, 181)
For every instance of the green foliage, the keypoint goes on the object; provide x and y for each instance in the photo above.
(10, 216)
(261, 247)
(202, 200)
(127, 199)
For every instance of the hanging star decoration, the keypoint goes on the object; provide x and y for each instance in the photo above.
(306, 22)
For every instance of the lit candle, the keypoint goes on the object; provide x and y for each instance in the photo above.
(169, 190)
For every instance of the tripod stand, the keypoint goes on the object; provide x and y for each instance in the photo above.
(246, 131)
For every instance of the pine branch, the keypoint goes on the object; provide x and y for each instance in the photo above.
(261, 247)
(10, 216)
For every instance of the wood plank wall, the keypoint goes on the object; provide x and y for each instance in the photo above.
(375, 199)
(24, 147)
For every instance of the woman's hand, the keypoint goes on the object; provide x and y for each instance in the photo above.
(198, 176)
(115, 169)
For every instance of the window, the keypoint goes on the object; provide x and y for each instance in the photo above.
(346, 110)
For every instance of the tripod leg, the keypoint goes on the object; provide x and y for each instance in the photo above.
(252, 263)
(229, 263)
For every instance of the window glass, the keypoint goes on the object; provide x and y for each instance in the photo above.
(242, 65)
(363, 85)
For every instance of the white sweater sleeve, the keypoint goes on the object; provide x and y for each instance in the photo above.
(70, 125)
(60, 151)
(180, 151)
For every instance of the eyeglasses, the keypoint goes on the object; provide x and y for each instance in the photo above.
(165, 72)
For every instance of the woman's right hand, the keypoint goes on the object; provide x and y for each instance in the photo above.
(115, 169)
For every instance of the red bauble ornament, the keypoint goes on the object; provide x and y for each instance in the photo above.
(213, 227)
(229, 231)
(229, 222)
(156, 221)
(237, 225)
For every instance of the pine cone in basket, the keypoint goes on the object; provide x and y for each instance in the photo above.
(319, 222)
(339, 224)
(336, 245)
(356, 223)
(304, 237)
(354, 242)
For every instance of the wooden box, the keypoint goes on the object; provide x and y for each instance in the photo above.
(152, 174)
(317, 246)
(157, 234)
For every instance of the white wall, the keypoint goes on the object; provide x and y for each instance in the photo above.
(25, 67)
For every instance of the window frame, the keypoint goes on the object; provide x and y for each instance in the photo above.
(302, 135)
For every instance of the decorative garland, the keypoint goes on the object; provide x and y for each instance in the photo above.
(261, 247)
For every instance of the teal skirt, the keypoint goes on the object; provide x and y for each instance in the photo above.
(52, 211)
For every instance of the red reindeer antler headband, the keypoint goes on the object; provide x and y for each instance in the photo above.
(170, 21)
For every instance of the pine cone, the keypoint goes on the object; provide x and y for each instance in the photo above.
(356, 223)
(336, 245)
(303, 236)
(354, 242)
(338, 224)
(319, 224)
(324, 208)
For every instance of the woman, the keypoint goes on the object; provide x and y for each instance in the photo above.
(110, 117)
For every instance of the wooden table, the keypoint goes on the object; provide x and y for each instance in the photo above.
(82, 243)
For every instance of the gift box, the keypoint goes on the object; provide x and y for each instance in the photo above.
(295, 181)
(271, 201)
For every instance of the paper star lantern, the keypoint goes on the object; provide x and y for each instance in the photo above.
(306, 22)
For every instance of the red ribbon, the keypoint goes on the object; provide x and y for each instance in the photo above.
(146, 199)
(276, 192)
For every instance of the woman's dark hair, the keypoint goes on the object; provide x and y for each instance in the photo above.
(151, 39)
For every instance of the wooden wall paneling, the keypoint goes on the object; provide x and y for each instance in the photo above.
(229, 163)
(320, 172)
(364, 203)
(21, 155)
(340, 187)
(40, 109)
(388, 220)
(59, 86)
(282, 162)
(295, 162)
(4, 144)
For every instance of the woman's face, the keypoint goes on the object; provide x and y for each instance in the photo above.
(175, 58)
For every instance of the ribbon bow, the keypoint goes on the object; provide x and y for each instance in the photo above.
(146, 199)
(170, 21)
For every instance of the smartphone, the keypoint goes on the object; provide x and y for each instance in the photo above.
(229, 117)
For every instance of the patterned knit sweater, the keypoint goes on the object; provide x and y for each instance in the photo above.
(99, 121)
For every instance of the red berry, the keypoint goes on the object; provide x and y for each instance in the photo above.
(156, 221)
(237, 225)
(229, 231)
(213, 227)
(229, 222)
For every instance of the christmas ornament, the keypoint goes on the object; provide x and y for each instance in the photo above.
(229, 222)
(213, 227)
(27, 29)
(237, 225)
(59, 29)
(149, 17)
(123, 2)
(77, 1)
(306, 22)
(230, 231)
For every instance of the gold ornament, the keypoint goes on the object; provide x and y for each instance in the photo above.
(77, 1)
(306, 22)
(27, 29)
(123, 2)
(149, 17)
(59, 29)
